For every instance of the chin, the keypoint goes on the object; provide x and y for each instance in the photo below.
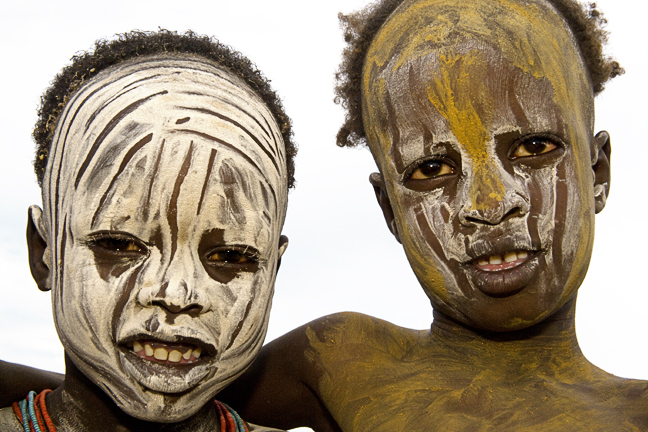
(523, 309)
(149, 398)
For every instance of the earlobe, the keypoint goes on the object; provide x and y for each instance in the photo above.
(601, 169)
(378, 184)
(38, 250)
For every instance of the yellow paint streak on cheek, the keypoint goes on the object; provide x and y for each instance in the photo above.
(452, 93)
(581, 261)
(586, 233)
(383, 155)
(422, 261)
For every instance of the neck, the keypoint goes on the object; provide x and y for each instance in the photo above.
(544, 345)
(78, 404)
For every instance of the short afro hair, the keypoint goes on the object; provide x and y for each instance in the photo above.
(585, 22)
(135, 44)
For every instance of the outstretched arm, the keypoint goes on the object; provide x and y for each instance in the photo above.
(280, 389)
(18, 380)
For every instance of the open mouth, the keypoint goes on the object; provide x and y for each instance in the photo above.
(503, 274)
(164, 352)
(167, 366)
(498, 262)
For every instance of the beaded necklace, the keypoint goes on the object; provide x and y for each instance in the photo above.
(229, 419)
(32, 414)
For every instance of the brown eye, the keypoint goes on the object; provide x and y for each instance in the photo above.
(431, 169)
(229, 256)
(533, 147)
(118, 245)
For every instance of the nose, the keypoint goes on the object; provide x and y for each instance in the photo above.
(176, 289)
(492, 199)
(177, 298)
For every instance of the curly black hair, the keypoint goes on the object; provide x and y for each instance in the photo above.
(134, 44)
(586, 23)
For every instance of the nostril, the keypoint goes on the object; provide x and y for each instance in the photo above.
(493, 218)
(514, 212)
(473, 219)
(192, 309)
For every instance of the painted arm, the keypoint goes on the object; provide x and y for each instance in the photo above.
(18, 380)
(280, 388)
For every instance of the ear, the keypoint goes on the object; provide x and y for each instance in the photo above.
(38, 251)
(602, 152)
(283, 245)
(378, 184)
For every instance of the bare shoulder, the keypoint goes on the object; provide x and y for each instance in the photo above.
(360, 363)
(627, 394)
(360, 332)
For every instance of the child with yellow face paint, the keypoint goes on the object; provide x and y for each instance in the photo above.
(480, 116)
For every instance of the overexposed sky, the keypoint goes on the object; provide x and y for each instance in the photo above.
(341, 255)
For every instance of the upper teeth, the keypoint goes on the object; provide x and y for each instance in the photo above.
(163, 354)
(508, 257)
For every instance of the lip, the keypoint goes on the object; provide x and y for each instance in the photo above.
(207, 348)
(505, 282)
(163, 376)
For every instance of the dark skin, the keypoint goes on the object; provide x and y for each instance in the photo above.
(472, 370)
(477, 142)
(367, 359)
(18, 380)
(284, 384)
(77, 396)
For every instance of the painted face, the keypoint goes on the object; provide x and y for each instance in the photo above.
(165, 195)
(479, 114)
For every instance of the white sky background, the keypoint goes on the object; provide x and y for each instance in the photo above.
(341, 256)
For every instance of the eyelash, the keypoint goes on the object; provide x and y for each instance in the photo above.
(549, 139)
(120, 244)
(442, 161)
(250, 256)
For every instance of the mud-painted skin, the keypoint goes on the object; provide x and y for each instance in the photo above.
(480, 116)
(486, 154)
(164, 199)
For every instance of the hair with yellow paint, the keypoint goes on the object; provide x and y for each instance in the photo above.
(586, 23)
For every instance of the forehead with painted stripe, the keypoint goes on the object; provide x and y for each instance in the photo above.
(480, 116)
(452, 39)
(164, 198)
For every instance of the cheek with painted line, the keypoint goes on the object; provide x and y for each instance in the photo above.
(90, 304)
(416, 209)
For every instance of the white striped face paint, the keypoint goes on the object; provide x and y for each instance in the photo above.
(164, 199)
(480, 117)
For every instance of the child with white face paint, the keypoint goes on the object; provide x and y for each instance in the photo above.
(164, 195)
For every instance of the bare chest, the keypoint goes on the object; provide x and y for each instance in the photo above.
(416, 401)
